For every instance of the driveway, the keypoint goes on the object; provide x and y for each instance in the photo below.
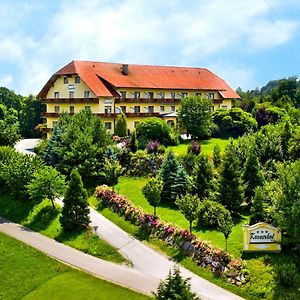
(26, 146)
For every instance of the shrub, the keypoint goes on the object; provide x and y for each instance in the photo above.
(287, 274)
(121, 125)
(152, 147)
(154, 129)
(194, 148)
(210, 212)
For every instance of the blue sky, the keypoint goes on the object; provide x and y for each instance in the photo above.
(246, 42)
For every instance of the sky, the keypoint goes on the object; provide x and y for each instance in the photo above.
(246, 42)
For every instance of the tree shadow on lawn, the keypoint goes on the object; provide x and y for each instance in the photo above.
(43, 218)
(66, 236)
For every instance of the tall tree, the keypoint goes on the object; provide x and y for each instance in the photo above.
(47, 183)
(75, 212)
(257, 211)
(230, 189)
(202, 176)
(121, 125)
(252, 175)
(168, 174)
(194, 116)
(152, 192)
(189, 207)
(133, 143)
(175, 287)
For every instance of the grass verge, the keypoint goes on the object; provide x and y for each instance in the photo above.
(42, 218)
(29, 274)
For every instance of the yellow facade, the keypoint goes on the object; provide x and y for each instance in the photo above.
(68, 96)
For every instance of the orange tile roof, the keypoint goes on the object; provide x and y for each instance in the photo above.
(102, 78)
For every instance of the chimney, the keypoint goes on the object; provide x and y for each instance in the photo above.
(124, 69)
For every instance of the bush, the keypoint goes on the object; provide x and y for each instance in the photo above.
(152, 147)
(154, 129)
(287, 274)
(233, 122)
(194, 148)
(210, 213)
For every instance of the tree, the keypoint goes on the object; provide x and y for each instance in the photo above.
(202, 176)
(112, 170)
(225, 226)
(194, 116)
(47, 183)
(252, 175)
(168, 175)
(230, 189)
(133, 143)
(175, 287)
(154, 129)
(257, 211)
(181, 182)
(75, 212)
(217, 156)
(189, 207)
(121, 125)
(80, 141)
(152, 191)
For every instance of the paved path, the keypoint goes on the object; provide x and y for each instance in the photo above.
(26, 146)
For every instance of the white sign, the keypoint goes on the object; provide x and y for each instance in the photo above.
(262, 235)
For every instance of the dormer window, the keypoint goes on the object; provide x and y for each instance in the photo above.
(210, 96)
(77, 79)
(86, 94)
(56, 95)
(66, 81)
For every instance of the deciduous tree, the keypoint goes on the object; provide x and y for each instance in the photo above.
(152, 192)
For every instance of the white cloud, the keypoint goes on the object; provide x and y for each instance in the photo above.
(6, 80)
(153, 32)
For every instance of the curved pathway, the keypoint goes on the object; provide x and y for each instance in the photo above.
(149, 266)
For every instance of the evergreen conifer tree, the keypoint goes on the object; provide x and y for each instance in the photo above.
(252, 175)
(121, 125)
(175, 287)
(181, 182)
(230, 189)
(133, 143)
(169, 175)
(217, 156)
(202, 176)
(257, 210)
(75, 212)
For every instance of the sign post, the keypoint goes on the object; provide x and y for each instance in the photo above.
(261, 237)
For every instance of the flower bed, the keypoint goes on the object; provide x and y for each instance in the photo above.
(217, 260)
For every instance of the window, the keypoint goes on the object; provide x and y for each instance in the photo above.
(66, 81)
(56, 95)
(161, 95)
(86, 94)
(183, 95)
(198, 94)
(56, 109)
(71, 94)
(162, 108)
(72, 109)
(173, 108)
(137, 109)
(224, 106)
(136, 124)
(210, 96)
(150, 95)
(87, 107)
(108, 125)
(150, 109)
(136, 95)
(173, 95)
(123, 94)
(77, 79)
(107, 109)
(123, 109)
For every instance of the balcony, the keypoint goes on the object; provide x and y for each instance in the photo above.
(70, 100)
(146, 100)
(142, 115)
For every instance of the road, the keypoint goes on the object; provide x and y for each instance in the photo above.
(26, 146)
(149, 266)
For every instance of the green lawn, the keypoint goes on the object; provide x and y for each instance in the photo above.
(207, 146)
(41, 217)
(26, 273)
(131, 187)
